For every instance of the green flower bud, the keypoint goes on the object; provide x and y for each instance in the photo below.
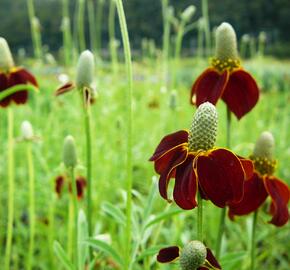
(187, 14)
(203, 130)
(173, 100)
(85, 70)
(6, 59)
(193, 255)
(226, 42)
(27, 130)
(263, 154)
(265, 145)
(69, 152)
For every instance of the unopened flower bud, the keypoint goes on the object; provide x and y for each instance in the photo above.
(69, 152)
(188, 13)
(226, 42)
(264, 146)
(173, 100)
(203, 130)
(27, 130)
(193, 255)
(6, 59)
(85, 70)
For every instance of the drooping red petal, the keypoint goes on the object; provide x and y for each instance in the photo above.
(168, 254)
(211, 262)
(168, 142)
(255, 195)
(241, 93)
(221, 176)
(185, 187)
(280, 194)
(81, 184)
(59, 181)
(209, 86)
(248, 167)
(64, 89)
(166, 165)
(17, 76)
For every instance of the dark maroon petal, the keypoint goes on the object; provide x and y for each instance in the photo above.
(169, 163)
(209, 86)
(248, 167)
(241, 93)
(168, 142)
(280, 194)
(185, 187)
(221, 176)
(211, 262)
(255, 195)
(64, 89)
(59, 181)
(3, 86)
(168, 254)
(81, 184)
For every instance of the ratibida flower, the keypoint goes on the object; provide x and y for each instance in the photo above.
(193, 256)
(225, 78)
(60, 181)
(191, 158)
(11, 75)
(264, 184)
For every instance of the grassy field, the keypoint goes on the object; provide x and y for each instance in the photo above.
(156, 112)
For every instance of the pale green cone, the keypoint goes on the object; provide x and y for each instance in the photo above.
(69, 152)
(85, 70)
(226, 42)
(193, 255)
(203, 130)
(27, 130)
(6, 59)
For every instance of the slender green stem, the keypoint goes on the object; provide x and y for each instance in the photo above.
(66, 29)
(206, 25)
(31, 205)
(127, 52)
(81, 34)
(113, 46)
(199, 218)
(166, 38)
(13, 89)
(10, 190)
(92, 28)
(75, 216)
(36, 39)
(99, 21)
(253, 242)
(223, 211)
(70, 228)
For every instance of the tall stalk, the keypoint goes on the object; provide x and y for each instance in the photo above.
(129, 116)
(166, 38)
(31, 205)
(81, 26)
(99, 24)
(66, 29)
(206, 26)
(35, 31)
(113, 45)
(223, 211)
(92, 26)
(199, 218)
(10, 173)
(253, 240)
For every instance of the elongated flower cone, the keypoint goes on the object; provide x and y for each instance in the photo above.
(69, 152)
(6, 59)
(85, 70)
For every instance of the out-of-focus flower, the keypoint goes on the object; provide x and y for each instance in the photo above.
(80, 185)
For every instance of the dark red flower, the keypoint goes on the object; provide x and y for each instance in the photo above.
(80, 185)
(261, 185)
(15, 76)
(217, 173)
(171, 254)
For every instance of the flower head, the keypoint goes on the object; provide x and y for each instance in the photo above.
(263, 184)
(80, 182)
(10, 75)
(225, 78)
(194, 162)
(193, 255)
(69, 152)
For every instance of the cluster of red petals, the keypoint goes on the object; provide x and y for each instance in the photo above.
(237, 89)
(170, 254)
(218, 174)
(80, 185)
(12, 78)
(257, 189)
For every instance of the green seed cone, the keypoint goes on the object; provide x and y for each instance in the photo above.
(85, 70)
(27, 130)
(226, 42)
(265, 145)
(203, 130)
(6, 59)
(192, 255)
(69, 152)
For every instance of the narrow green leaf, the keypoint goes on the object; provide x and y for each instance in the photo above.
(106, 248)
(114, 212)
(83, 234)
(62, 256)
